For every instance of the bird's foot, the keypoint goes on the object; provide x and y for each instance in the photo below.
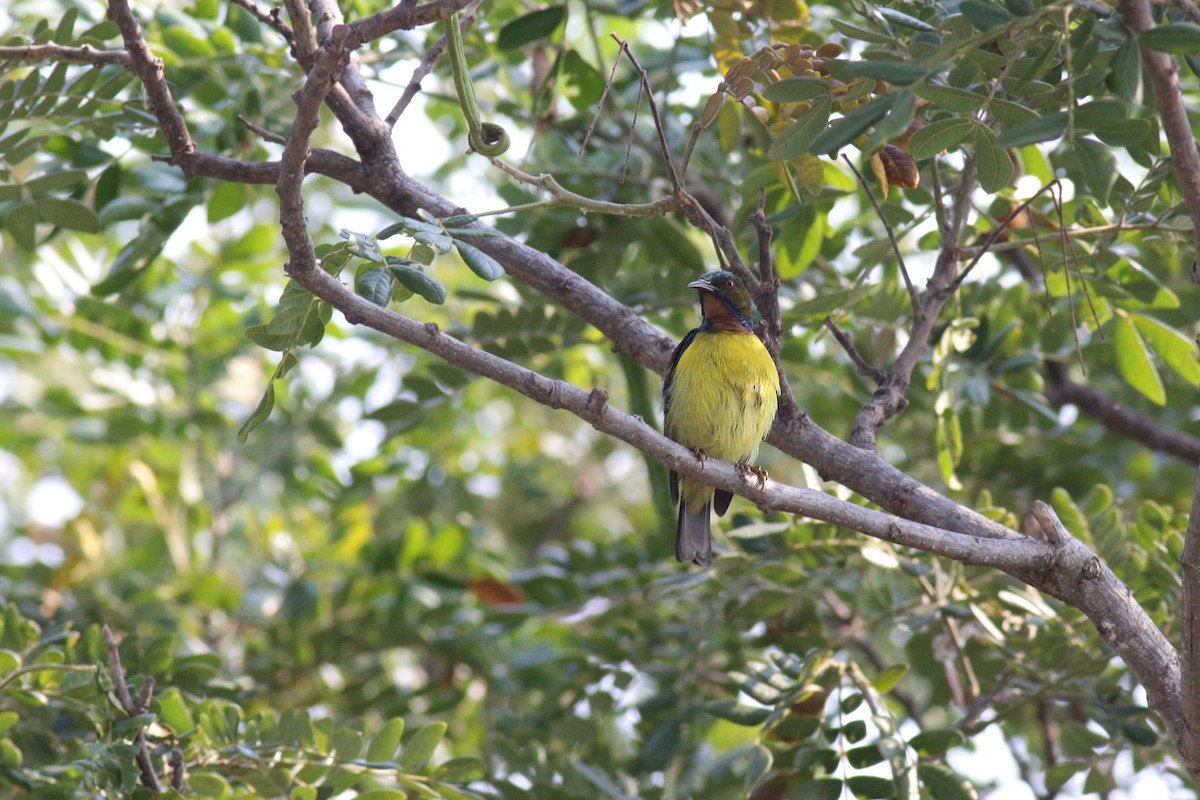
(701, 456)
(755, 470)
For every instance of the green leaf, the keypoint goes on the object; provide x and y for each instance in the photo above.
(64, 179)
(860, 33)
(1125, 70)
(1139, 734)
(62, 32)
(259, 415)
(994, 166)
(69, 214)
(848, 128)
(897, 122)
(420, 747)
(263, 336)
(871, 787)
(461, 769)
(1178, 39)
(1173, 346)
(897, 73)
(530, 27)
(226, 200)
(943, 784)
(888, 679)
(985, 16)
(417, 281)
(900, 18)
(951, 98)
(1040, 129)
(865, 756)
(386, 794)
(941, 135)
(579, 82)
(187, 44)
(738, 713)
(936, 741)
(383, 746)
(346, 743)
(375, 285)
(1099, 167)
(480, 262)
(21, 222)
(796, 139)
(794, 90)
(820, 789)
(363, 245)
(1134, 362)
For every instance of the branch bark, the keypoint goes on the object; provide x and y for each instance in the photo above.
(1163, 74)
(1117, 418)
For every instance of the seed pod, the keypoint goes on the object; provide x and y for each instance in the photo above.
(791, 53)
(830, 50)
(899, 167)
(742, 87)
(773, 75)
(819, 66)
(766, 58)
(743, 69)
(800, 65)
(711, 109)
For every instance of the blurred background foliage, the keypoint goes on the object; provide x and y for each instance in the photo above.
(409, 582)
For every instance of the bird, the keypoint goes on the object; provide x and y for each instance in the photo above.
(720, 396)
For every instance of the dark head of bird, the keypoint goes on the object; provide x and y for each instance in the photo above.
(724, 301)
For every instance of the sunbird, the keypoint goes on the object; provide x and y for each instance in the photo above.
(719, 398)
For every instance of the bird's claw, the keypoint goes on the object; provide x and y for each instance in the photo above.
(755, 470)
(701, 456)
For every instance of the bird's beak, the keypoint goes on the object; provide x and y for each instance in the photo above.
(703, 285)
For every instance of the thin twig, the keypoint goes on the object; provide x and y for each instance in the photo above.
(1117, 417)
(262, 132)
(658, 123)
(864, 369)
(561, 196)
(612, 74)
(269, 18)
(908, 284)
(428, 61)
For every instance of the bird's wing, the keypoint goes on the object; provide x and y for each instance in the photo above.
(670, 377)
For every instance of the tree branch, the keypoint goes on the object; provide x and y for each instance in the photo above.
(85, 54)
(1189, 644)
(149, 70)
(887, 226)
(1140, 427)
(149, 775)
(1163, 74)
(1082, 580)
(892, 396)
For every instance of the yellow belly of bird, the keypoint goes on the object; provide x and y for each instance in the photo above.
(724, 397)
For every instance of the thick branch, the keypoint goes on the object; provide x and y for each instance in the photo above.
(1083, 581)
(149, 70)
(1163, 73)
(1116, 417)
(1189, 644)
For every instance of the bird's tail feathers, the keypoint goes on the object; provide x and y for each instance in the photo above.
(693, 540)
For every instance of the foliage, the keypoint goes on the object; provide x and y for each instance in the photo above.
(350, 567)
